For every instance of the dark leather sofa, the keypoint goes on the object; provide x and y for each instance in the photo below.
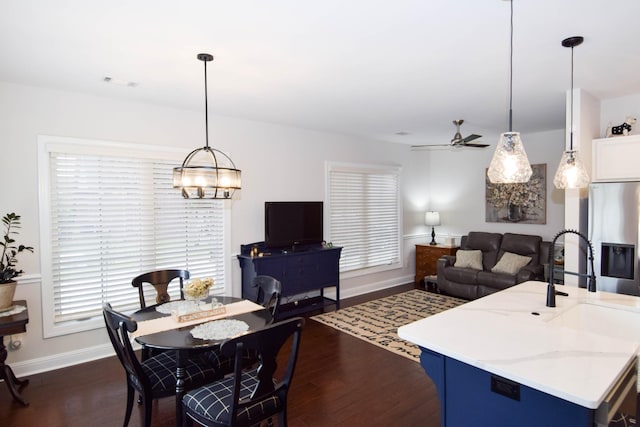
(472, 283)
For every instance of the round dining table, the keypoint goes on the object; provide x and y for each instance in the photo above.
(182, 342)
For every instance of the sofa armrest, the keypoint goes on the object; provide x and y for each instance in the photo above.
(446, 261)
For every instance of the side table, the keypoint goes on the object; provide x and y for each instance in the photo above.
(426, 261)
(9, 325)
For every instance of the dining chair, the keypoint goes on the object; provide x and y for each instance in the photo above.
(269, 294)
(155, 377)
(160, 280)
(251, 395)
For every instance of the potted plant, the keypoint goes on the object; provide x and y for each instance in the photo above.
(9, 260)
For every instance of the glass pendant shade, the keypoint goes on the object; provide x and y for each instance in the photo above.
(510, 164)
(571, 172)
(207, 173)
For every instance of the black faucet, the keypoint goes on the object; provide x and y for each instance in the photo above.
(551, 289)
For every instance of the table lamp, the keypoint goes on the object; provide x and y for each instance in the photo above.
(432, 218)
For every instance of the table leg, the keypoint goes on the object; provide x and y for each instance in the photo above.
(181, 359)
(6, 373)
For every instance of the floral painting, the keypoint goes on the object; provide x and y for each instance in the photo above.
(519, 203)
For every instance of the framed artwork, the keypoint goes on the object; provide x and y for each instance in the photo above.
(518, 203)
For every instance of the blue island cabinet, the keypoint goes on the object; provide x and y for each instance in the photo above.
(299, 273)
(470, 396)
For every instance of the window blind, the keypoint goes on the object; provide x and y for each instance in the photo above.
(364, 215)
(112, 218)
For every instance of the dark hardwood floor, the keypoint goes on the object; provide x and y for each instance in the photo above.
(339, 381)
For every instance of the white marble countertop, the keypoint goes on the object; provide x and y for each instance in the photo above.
(499, 334)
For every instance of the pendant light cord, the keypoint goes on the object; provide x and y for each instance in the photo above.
(511, 73)
(571, 107)
(206, 106)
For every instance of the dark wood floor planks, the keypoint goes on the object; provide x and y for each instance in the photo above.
(339, 381)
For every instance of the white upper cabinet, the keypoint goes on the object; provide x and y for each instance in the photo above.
(616, 159)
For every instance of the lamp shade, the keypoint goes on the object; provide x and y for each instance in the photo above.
(510, 164)
(571, 172)
(432, 218)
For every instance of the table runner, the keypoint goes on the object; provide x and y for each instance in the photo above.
(147, 327)
(14, 309)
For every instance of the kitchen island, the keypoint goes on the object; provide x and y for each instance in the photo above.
(507, 359)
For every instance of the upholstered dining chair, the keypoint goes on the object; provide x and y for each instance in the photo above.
(155, 377)
(269, 294)
(250, 395)
(160, 280)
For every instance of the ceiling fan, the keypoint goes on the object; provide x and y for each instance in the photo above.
(457, 140)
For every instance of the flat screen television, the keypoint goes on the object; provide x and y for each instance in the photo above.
(293, 225)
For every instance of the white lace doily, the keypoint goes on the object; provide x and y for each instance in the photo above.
(14, 310)
(219, 329)
(167, 307)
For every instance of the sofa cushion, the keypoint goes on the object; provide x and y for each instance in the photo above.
(522, 244)
(498, 281)
(461, 275)
(488, 243)
(469, 259)
(510, 263)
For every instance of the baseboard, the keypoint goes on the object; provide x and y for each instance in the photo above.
(354, 291)
(61, 360)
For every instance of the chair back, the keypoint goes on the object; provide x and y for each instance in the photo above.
(267, 343)
(269, 294)
(160, 280)
(119, 326)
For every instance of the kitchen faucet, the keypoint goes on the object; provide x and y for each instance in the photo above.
(551, 289)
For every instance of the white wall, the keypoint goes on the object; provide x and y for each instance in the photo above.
(277, 162)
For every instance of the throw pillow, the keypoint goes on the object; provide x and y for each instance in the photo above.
(510, 263)
(469, 259)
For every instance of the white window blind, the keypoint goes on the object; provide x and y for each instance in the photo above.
(113, 217)
(365, 215)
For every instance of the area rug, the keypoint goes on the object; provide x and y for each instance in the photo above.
(377, 321)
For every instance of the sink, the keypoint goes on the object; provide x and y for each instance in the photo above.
(602, 320)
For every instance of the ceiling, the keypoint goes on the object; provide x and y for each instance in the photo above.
(369, 68)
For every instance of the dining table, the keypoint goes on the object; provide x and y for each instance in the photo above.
(180, 340)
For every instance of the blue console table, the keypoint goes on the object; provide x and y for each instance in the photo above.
(301, 271)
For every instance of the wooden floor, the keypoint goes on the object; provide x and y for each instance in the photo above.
(339, 381)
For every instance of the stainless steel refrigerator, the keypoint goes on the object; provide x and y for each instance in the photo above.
(614, 231)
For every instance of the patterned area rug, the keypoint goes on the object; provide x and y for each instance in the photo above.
(377, 321)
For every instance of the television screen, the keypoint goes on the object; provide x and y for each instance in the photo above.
(292, 224)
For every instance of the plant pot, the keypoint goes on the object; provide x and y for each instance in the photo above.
(7, 292)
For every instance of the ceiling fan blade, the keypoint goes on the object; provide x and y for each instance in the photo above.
(471, 137)
(474, 145)
(428, 146)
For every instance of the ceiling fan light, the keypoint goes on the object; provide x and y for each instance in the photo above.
(510, 164)
(571, 172)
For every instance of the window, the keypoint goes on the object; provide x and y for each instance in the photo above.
(365, 215)
(108, 213)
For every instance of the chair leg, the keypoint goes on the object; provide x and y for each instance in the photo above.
(147, 402)
(130, 395)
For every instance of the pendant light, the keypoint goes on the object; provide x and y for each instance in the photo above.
(571, 172)
(510, 164)
(207, 173)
